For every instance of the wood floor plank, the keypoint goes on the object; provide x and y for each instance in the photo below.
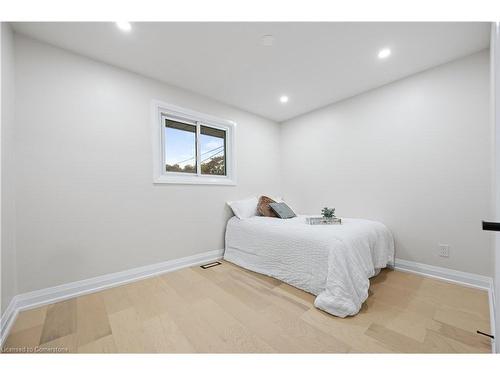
(374, 311)
(162, 335)
(183, 286)
(267, 331)
(199, 332)
(127, 331)
(191, 320)
(471, 339)
(394, 340)
(438, 292)
(249, 288)
(145, 298)
(462, 319)
(116, 299)
(410, 323)
(22, 340)
(104, 344)
(404, 300)
(298, 330)
(92, 319)
(29, 318)
(346, 330)
(299, 295)
(437, 343)
(60, 321)
(62, 345)
(239, 338)
(264, 280)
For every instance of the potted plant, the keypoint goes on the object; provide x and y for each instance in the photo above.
(328, 214)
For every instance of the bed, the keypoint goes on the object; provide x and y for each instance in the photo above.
(333, 262)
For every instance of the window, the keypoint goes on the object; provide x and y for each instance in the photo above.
(212, 151)
(191, 147)
(179, 147)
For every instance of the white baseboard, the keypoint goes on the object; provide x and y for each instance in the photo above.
(491, 298)
(446, 274)
(78, 288)
(7, 320)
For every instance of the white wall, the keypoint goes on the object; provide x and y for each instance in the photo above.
(495, 111)
(86, 204)
(415, 154)
(8, 255)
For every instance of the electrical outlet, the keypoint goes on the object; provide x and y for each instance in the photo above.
(444, 250)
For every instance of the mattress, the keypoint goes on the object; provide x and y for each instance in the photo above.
(333, 262)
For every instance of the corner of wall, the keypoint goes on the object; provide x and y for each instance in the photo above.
(7, 189)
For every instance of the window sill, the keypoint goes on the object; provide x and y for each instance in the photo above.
(194, 180)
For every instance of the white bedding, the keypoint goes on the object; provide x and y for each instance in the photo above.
(333, 262)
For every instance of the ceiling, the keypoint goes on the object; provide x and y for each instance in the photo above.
(314, 64)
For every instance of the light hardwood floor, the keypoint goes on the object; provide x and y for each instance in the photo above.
(227, 309)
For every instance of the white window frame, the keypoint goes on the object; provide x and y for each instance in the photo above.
(162, 111)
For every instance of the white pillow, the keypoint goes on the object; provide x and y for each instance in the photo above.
(245, 208)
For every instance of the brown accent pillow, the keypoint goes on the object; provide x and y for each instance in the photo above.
(263, 207)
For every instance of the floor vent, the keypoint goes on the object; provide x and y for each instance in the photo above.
(210, 265)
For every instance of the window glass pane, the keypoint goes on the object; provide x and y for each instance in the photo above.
(212, 151)
(180, 147)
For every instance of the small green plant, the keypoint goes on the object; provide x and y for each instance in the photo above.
(328, 213)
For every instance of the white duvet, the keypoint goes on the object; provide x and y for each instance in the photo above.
(333, 262)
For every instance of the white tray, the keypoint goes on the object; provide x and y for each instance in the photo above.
(320, 220)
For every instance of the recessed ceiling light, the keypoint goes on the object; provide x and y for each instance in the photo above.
(283, 99)
(384, 53)
(267, 40)
(124, 26)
